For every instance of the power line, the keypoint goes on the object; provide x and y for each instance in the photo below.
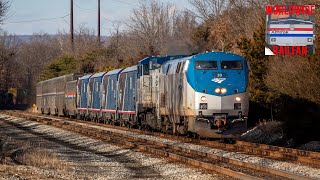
(55, 18)
(110, 19)
(124, 2)
(84, 9)
(36, 20)
(64, 20)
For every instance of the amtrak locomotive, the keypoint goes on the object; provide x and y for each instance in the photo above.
(204, 95)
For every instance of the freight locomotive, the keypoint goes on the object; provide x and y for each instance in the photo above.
(203, 95)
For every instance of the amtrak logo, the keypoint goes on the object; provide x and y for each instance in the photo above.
(219, 80)
(291, 27)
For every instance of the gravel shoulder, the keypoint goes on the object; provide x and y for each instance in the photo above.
(296, 168)
(86, 158)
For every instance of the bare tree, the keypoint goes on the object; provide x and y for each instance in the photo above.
(224, 22)
(207, 9)
(151, 25)
(181, 40)
(114, 45)
(32, 58)
(4, 7)
(84, 39)
(296, 77)
(8, 49)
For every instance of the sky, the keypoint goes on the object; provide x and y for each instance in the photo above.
(27, 17)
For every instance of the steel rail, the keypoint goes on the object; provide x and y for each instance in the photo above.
(83, 129)
(262, 150)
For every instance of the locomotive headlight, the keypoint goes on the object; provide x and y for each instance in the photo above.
(238, 99)
(223, 90)
(309, 39)
(203, 98)
(217, 90)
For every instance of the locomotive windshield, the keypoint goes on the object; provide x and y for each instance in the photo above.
(304, 17)
(231, 65)
(205, 65)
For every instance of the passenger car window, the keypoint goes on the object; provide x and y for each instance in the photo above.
(231, 65)
(112, 85)
(130, 82)
(206, 65)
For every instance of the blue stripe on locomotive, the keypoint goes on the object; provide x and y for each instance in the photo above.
(233, 80)
(127, 90)
(111, 89)
(96, 90)
(83, 89)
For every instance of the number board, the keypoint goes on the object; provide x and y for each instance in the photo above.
(219, 75)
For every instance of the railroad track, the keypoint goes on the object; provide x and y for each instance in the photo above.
(262, 150)
(199, 159)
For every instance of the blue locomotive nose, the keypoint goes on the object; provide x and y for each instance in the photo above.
(219, 75)
(227, 82)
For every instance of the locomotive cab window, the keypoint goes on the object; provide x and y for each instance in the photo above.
(231, 65)
(206, 65)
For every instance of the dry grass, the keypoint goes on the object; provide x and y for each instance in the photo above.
(25, 153)
(266, 132)
(23, 159)
(15, 172)
(270, 127)
(42, 159)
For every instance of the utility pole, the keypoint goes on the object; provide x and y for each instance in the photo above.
(99, 24)
(71, 26)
